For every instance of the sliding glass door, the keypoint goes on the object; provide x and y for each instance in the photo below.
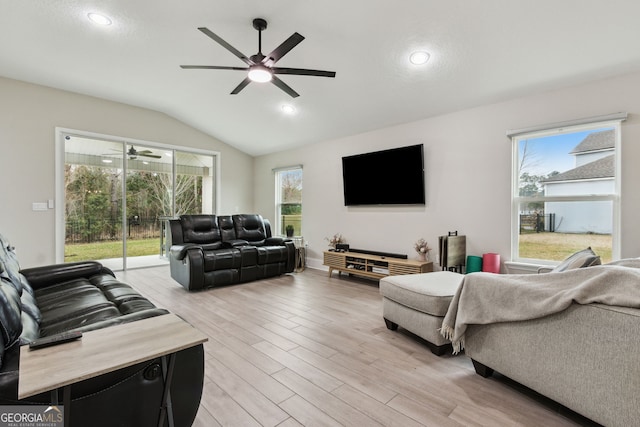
(119, 195)
(93, 199)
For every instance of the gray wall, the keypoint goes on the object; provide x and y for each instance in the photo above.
(468, 172)
(29, 115)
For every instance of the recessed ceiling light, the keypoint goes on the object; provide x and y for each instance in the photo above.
(107, 161)
(168, 153)
(99, 19)
(288, 109)
(419, 58)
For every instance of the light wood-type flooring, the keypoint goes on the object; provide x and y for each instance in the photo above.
(305, 349)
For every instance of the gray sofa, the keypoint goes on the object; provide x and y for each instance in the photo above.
(586, 358)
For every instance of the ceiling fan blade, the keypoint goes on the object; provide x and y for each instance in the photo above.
(211, 67)
(241, 86)
(154, 156)
(303, 72)
(226, 45)
(285, 87)
(283, 49)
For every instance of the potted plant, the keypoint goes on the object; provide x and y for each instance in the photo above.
(289, 230)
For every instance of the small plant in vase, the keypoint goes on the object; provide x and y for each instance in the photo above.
(333, 241)
(422, 248)
(289, 230)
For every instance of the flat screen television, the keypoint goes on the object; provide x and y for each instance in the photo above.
(388, 177)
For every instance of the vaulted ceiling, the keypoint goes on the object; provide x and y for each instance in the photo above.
(481, 52)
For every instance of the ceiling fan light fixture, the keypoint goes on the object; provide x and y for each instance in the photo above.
(419, 57)
(260, 74)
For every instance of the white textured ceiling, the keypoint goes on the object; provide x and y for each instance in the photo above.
(481, 52)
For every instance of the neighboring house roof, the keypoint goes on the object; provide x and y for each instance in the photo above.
(602, 168)
(596, 141)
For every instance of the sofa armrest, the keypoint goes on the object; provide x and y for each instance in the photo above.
(276, 241)
(180, 251)
(41, 277)
(235, 243)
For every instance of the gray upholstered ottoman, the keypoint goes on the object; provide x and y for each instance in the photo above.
(418, 303)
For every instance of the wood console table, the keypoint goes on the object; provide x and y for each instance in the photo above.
(373, 266)
(106, 350)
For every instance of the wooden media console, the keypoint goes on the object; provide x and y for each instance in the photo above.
(373, 266)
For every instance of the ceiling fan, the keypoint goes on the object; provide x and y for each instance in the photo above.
(261, 67)
(133, 154)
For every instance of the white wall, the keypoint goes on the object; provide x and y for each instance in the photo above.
(468, 170)
(29, 115)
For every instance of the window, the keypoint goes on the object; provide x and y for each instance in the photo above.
(566, 190)
(289, 201)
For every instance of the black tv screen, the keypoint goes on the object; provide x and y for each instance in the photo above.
(388, 177)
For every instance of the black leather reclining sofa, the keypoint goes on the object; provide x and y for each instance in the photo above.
(44, 301)
(210, 250)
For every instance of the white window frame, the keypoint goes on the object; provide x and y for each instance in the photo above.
(611, 121)
(277, 227)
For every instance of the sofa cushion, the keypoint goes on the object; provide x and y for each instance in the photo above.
(272, 254)
(227, 230)
(429, 293)
(80, 319)
(73, 303)
(10, 268)
(200, 229)
(221, 259)
(30, 329)
(250, 228)
(10, 315)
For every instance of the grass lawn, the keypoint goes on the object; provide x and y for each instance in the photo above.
(102, 250)
(557, 246)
